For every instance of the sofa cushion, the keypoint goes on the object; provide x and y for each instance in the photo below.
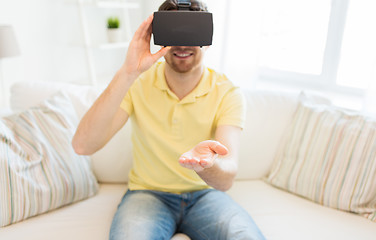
(81, 96)
(268, 114)
(89, 219)
(39, 170)
(328, 155)
(5, 112)
(282, 215)
(112, 163)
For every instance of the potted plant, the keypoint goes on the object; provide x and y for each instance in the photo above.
(113, 30)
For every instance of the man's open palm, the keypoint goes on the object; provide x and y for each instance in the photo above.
(203, 155)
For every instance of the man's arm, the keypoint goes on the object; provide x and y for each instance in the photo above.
(105, 117)
(216, 162)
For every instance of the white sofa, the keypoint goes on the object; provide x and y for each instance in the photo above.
(279, 214)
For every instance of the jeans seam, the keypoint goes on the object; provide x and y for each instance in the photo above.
(201, 234)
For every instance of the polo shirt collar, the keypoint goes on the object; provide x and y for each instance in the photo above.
(203, 87)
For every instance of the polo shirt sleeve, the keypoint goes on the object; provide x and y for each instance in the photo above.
(232, 110)
(126, 104)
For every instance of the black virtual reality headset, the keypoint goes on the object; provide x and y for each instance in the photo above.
(183, 27)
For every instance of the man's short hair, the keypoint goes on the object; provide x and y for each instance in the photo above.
(196, 5)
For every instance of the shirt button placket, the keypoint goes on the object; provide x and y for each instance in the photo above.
(176, 121)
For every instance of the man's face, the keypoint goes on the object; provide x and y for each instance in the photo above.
(184, 59)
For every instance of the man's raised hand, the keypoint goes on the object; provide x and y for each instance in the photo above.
(139, 58)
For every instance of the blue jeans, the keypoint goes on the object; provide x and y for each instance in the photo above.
(205, 214)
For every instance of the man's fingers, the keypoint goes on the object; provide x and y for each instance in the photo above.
(189, 160)
(142, 30)
(217, 147)
(204, 163)
(147, 28)
(221, 149)
(190, 163)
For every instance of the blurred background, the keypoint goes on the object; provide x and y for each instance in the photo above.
(321, 46)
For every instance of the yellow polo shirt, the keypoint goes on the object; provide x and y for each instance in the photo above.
(164, 127)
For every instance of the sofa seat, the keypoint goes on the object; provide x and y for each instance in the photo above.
(280, 215)
(87, 219)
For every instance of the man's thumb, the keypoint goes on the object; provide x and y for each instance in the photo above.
(218, 148)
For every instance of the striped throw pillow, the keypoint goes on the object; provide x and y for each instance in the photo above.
(328, 155)
(39, 170)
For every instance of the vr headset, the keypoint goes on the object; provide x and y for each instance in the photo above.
(183, 27)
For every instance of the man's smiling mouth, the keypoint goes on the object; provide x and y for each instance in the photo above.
(183, 55)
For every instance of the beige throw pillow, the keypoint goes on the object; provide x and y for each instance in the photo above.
(39, 170)
(328, 155)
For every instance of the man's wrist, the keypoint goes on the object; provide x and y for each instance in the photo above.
(129, 77)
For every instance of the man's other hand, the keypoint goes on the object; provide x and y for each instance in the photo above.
(203, 155)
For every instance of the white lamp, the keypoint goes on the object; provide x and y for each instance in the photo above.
(8, 48)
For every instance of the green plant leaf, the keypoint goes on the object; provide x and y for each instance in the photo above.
(113, 22)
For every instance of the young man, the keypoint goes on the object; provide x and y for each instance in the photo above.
(186, 122)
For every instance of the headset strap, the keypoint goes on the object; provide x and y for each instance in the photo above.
(184, 5)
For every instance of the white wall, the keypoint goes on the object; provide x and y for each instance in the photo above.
(50, 39)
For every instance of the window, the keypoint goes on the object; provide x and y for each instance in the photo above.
(358, 56)
(302, 44)
(320, 45)
(293, 35)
